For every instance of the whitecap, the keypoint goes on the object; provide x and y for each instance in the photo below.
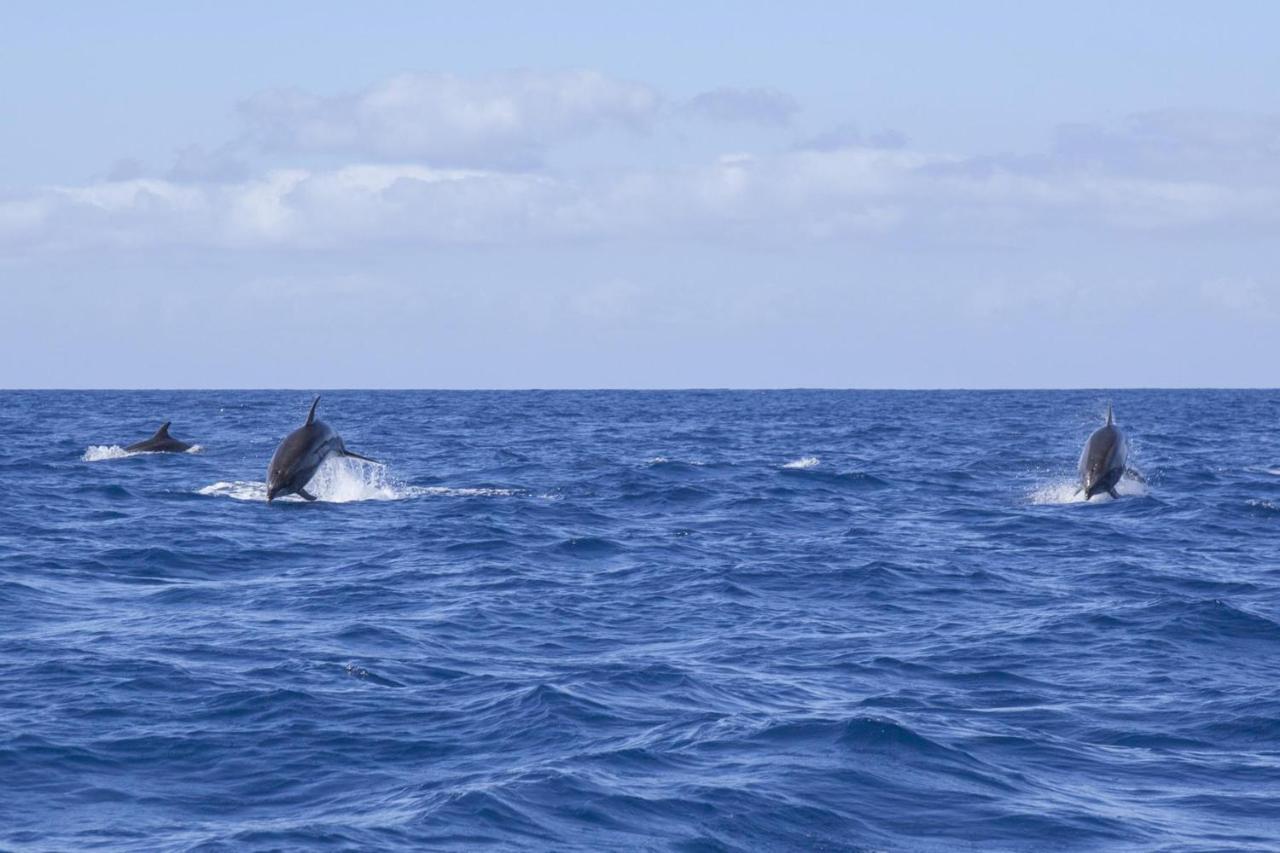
(803, 463)
(446, 491)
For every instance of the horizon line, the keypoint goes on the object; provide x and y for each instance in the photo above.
(647, 388)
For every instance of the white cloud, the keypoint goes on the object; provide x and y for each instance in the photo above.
(495, 120)
(849, 189)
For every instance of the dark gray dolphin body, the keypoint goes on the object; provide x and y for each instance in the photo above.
(1104, 460)
(161, 442)
(301, 453)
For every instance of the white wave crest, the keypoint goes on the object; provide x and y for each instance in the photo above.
(803, 463)
(346, 480)
(432, 491)
(1068, 491)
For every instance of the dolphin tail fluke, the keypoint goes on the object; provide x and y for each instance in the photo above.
(311, 415)
(346, 452)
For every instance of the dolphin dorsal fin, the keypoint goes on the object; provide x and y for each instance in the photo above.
(311, 416)
(163, 432)
(1110, 419)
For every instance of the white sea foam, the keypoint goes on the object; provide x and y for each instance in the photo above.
(445, 491)
(803, 463)
(665, 460)
(1068, 491)
(348, 480)
(103, 452)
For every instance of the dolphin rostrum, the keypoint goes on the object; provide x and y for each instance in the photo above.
(161, 442)
(1104, 460)
(296, 459)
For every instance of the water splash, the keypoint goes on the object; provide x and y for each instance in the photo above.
(341, 480)
(103, 452)
(803, 463)
(1066, 490)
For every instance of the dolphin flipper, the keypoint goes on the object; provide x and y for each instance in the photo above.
(307, 495)
(346, 452)
(1112, 491)
(1135, 474)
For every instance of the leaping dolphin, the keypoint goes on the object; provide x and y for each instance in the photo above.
(1104, 460)
(296, 459)
(161, 442)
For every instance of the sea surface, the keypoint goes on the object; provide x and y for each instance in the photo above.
(688, 621)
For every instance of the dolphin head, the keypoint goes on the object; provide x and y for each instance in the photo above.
(280, 469)
(280, 473)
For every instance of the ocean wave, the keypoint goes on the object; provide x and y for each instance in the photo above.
(532, 635)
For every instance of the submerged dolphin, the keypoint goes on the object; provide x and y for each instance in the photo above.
(296, 459)
(161, 442)
(1104, 460)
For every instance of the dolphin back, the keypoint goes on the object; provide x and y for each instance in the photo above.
(160, 442)
(297, 457)
(1103, 459)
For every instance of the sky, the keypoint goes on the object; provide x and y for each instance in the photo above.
(639, 195)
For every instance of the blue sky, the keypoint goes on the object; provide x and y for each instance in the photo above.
(639, 195)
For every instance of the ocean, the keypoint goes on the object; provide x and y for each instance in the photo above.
(622, 620)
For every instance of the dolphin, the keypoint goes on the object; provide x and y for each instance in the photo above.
(1104, 460)
(296, 459)
(161, 442)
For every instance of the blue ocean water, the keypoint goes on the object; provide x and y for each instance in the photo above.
(641, 620)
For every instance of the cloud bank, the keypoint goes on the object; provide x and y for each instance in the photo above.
(437, 159)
